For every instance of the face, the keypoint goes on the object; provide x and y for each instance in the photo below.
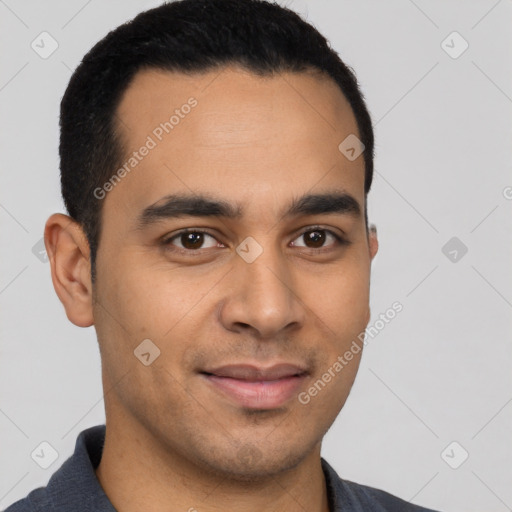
(274, 268)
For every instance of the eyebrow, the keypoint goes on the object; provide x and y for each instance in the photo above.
(198, 205)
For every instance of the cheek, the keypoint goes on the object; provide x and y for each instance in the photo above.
(159, 302)
(340, 298)
(137, 305)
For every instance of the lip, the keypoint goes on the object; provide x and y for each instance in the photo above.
(256, 387)
(251, 372)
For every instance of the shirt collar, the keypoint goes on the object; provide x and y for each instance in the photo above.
(76, 482)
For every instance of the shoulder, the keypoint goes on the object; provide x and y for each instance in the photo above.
(354, 497)
(379, 500)
(36, 501)
(74, 485)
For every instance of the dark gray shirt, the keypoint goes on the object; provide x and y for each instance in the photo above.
(75, 488)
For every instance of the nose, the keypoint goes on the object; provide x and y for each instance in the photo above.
(262, 297)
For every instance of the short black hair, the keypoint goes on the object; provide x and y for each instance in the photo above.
(184, 36)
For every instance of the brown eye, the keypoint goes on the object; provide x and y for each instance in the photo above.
(316, 238)
(191, 240)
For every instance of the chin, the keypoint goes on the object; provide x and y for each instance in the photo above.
(253, 463)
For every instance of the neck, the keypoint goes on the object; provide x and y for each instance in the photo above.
(138, 473)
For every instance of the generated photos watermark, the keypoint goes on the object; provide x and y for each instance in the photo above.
(343, 360)
(157, 135)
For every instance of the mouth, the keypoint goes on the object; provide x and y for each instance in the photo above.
(255, 387)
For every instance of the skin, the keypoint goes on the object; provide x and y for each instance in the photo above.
(172, 442)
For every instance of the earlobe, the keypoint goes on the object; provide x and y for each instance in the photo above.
(68, 253)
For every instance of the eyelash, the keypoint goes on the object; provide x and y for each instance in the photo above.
(166, 242)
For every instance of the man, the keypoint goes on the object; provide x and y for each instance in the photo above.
(216, 157)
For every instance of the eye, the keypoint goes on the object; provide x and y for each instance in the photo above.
(194, 239)
(315, 238)
(191, 240)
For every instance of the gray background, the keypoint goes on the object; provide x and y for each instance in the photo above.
(439, 372)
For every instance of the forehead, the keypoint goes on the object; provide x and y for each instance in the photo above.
(229, 131)
(233, 94)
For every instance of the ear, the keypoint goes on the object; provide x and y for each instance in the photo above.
(373, 242)
(373, 247)
(68, 252)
